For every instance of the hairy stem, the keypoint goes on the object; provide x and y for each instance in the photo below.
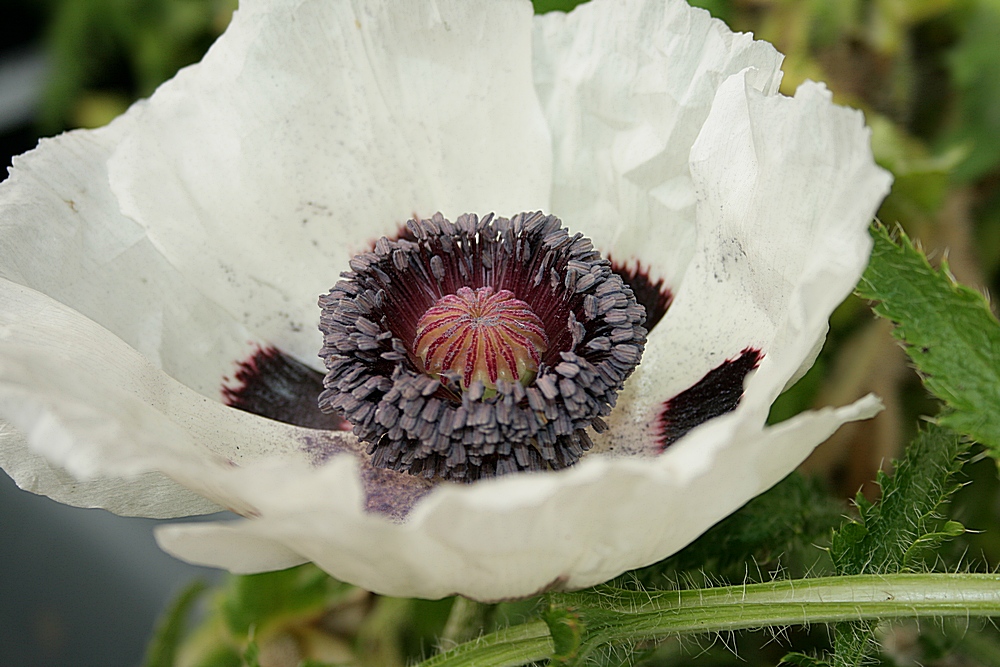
(614, 616)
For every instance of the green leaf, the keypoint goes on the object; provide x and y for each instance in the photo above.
(162, 650)
(948, 331)
(255, 600)
(893, 534)
(545, 6)
(853, 644)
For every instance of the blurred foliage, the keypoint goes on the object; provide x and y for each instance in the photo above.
(172, 627)
(298, 616)
(104, 54)
(776, 532)
(926, 73)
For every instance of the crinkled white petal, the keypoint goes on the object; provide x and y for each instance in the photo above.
(92, 405)
(61, 233)
(313, 127)
(818, 244)
(513, 536)
(148, 495)
(241, 188)
(786, 189)
(626, 86)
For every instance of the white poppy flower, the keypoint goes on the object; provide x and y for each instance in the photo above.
(160, 270)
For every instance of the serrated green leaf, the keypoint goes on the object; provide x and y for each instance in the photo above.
(893, 534)
(853, 643)
(948, 331)
(162, 650)
(925, 543)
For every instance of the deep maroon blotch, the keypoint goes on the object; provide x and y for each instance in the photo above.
(715, 394)
(655, 297)
(274, 385)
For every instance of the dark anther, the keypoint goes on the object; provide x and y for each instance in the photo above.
(478, 347)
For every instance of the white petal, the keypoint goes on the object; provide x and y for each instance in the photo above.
(89, 403)
(61, 233)
(313, 127)
(247, 552)
(626, 86)
(109, 411)
(786, 190)
(519, 535)
(93, 406)
(149, 494)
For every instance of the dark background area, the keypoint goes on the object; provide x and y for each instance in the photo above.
(79, 586)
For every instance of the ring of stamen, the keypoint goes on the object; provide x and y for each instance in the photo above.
(392, 374)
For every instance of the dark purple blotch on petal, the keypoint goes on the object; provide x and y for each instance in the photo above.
(715, 394)
(274, 385)
(655, 297)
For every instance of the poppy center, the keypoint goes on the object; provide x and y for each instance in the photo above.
(480, 347)
(483, 336)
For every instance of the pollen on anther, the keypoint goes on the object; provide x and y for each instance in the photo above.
(482, 335)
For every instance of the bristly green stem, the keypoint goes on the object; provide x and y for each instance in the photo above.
(609, 615)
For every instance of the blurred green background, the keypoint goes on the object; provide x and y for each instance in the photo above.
(926, 73)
